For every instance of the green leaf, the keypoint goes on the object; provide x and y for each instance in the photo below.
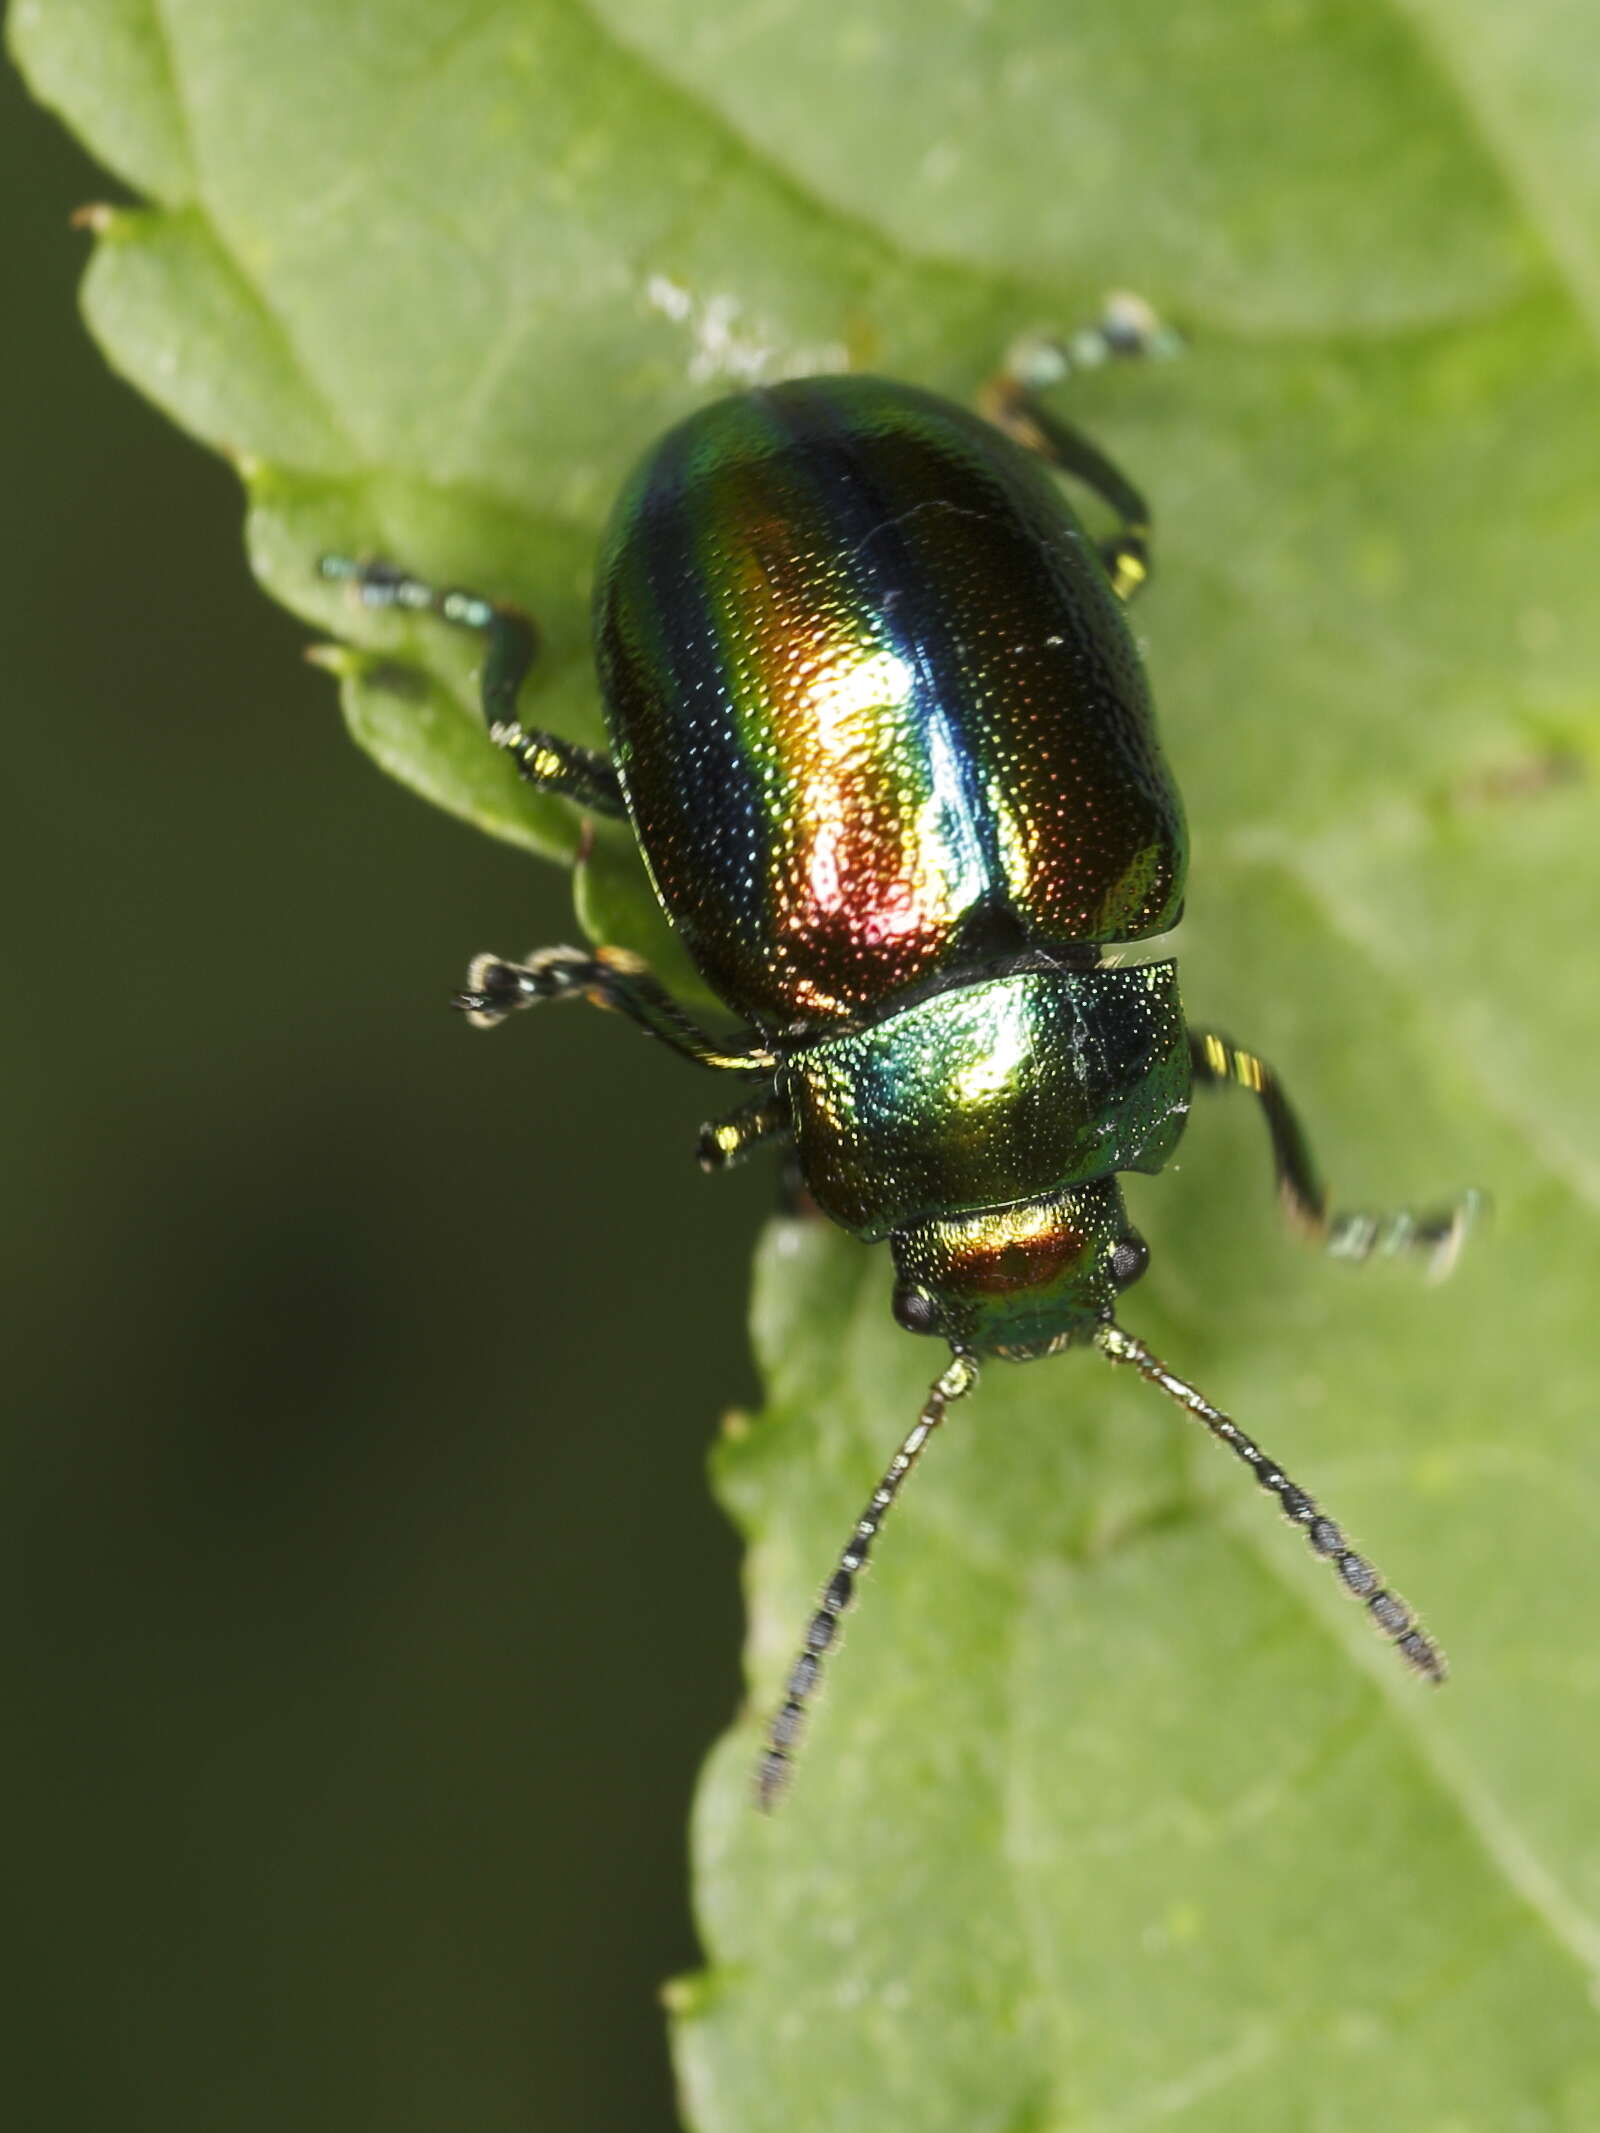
(1114, 1812)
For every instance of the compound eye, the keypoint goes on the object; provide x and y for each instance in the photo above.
(1130, 1256)
(914, 1309)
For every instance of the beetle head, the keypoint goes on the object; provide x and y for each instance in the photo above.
(1019, 1281)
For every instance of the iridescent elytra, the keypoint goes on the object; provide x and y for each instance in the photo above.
(887, 746)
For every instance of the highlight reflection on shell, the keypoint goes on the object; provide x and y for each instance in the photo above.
(874, 704)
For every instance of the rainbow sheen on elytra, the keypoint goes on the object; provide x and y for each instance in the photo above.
(875, 708)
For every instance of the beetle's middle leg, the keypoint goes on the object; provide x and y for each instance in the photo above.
(511, 642)
(1437, 1234)
(1011, 401)
(607, 977)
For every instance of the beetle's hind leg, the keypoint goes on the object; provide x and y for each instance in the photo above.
(1010, 399)
(511, 643)
(607, 977)
(1436, 1234)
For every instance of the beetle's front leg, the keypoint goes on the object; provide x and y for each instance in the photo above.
(1127, 328)
(609, 977)
(583, 775)
(1437, 1234)
(726, 1141)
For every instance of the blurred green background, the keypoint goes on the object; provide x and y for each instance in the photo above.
(374, 1612)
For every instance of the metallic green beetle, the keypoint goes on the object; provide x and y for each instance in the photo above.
(888, 749)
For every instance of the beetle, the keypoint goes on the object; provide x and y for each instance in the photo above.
(887, 745)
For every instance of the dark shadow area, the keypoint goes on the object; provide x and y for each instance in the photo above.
(374, 1613)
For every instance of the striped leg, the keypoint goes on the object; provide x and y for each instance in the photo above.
(511, 642)
(1436, 1234)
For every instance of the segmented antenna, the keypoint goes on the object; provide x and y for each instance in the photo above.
(1392, 1617)
(777, 1762)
